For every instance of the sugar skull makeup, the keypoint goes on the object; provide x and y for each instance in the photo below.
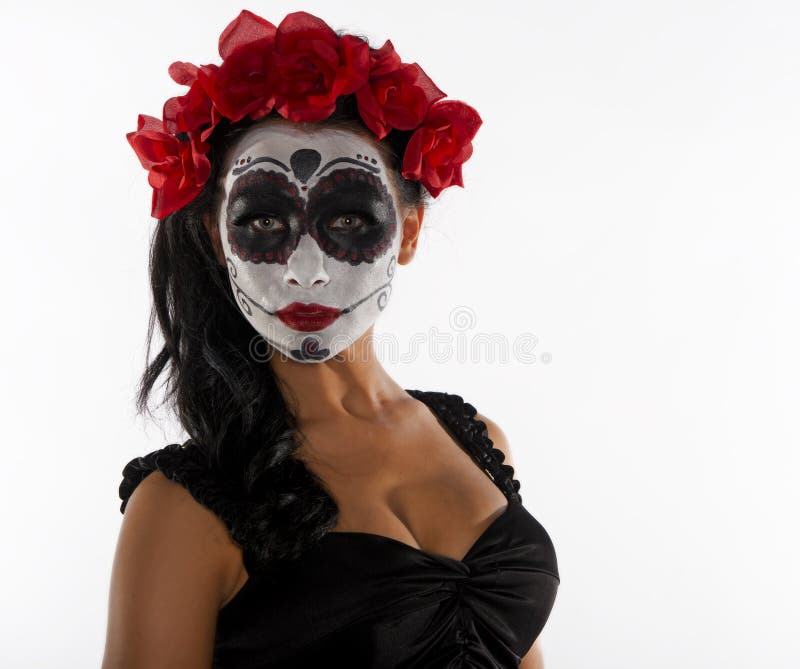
(310, 230)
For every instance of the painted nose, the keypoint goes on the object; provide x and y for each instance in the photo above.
(305, 266)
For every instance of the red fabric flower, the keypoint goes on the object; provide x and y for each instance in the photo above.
(194, 111)
(247, 81)
(316, 66)
(177, 170)
(244, 29)
(397, 95)
(299, 69)
(439, 147)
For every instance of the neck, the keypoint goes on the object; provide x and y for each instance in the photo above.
(352, 383)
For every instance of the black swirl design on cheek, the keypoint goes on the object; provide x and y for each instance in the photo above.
(352, 191)
(383, 296)
(255, 194)
(241, 296)
(383, 291)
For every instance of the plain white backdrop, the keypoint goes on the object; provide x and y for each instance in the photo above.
(632, 203)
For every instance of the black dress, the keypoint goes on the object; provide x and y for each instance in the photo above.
(362, 600)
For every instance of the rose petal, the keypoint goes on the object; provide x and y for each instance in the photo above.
(245, 28)
(296, 23)
(183, 73)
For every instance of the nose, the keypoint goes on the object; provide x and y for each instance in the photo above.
(305, 266)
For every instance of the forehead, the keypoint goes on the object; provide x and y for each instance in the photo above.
(288, 143)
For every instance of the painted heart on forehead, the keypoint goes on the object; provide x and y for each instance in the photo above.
(310, 230)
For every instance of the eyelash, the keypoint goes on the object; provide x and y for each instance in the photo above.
(252, 221)
(367, 220)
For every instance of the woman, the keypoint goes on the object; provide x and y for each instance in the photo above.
(319, 514)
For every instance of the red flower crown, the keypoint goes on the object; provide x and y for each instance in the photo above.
(299, 69)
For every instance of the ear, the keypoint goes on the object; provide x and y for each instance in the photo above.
(412, 224)
(213, 233)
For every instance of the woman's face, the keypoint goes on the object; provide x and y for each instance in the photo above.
(310, 228)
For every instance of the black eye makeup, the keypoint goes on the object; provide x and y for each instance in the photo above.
(351, 215)
(349, 212)
(265, 217)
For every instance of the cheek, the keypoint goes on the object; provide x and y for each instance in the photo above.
(262, 283)
(354, 281)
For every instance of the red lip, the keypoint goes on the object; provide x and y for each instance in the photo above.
(307, 317)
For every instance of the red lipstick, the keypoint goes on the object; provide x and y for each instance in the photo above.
(307, 317)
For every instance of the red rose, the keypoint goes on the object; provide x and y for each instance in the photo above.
(316, 66)
(177, 170)
(193, 111)
(440, 146)
(247, 79)
(397, 95)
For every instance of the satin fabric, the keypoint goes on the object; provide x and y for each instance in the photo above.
(363, 600)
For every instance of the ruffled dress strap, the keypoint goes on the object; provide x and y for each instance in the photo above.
(186, 465)
(471, 432)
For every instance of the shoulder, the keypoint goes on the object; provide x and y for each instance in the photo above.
(462, 413)
(175, 486)
(163, 510)
(498, 437)
(182, 464)
(479, 431)
(500, 449)
(171, 496)
(173, 555)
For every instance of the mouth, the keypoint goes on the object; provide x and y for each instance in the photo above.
(307, 317)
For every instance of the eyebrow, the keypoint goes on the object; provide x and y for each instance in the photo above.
(350, 186)
(353, 194)
(258, 185)
(263, 159)
(328, 165)
(261, 192)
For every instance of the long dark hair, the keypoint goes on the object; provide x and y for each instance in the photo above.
(229, 403)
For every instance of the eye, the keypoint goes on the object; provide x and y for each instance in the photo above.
(349, 223)
(267, 223)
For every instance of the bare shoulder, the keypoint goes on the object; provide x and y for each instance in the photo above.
(173, 567)
(498, 437)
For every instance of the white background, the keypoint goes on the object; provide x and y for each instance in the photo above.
(632, 202)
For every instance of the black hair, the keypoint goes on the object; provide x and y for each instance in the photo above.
(228, 402)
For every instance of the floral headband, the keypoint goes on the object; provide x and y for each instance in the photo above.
(299, 69)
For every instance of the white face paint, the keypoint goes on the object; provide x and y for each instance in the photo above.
(310, 228)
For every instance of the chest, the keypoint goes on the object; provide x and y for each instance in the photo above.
(411, 479)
